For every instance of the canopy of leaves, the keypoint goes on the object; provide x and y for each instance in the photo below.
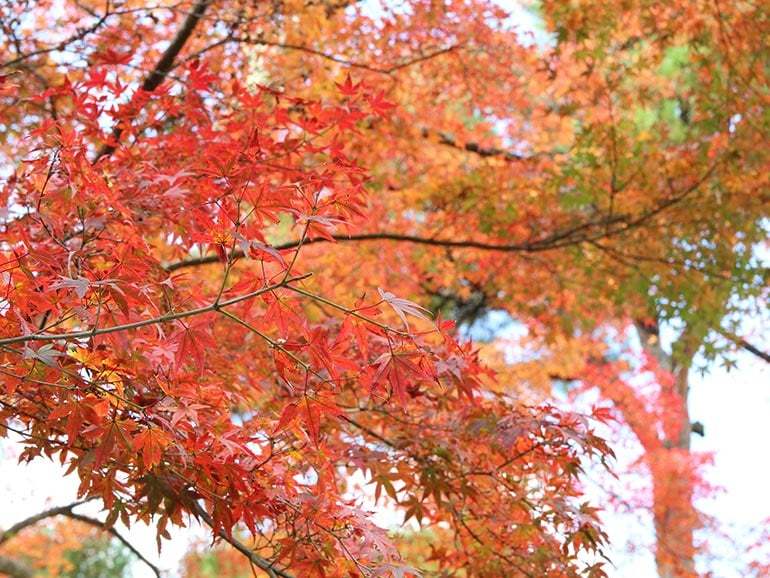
(221, 222)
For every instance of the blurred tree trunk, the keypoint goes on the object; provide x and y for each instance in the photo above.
(670, 462)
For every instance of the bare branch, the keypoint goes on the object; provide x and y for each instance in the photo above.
(586, 232)
(19, 570)
(532, 247)
(32, 520)
(472, 147)
(331, 57)
(117, 535)
(253, 557)
(61, 45)
(743, 344)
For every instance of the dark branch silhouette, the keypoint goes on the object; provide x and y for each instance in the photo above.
(17, 569)
(162, 67)
(472, 147)
(32, 520)
(114, 533)
(743, 344)
(253, 557)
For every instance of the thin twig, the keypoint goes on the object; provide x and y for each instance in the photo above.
(347, 310)
(152, 321)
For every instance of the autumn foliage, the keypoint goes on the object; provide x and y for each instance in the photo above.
(236, 236)
(64, 548)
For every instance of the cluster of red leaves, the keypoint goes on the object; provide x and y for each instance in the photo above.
(242, 396)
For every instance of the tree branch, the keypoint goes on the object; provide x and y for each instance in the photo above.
(331, 57)
(253, 557)
(472, 147)
(555, 241)
(32, 520)
(743, 344)
(384, 236)
(608, 225)
(61, 45)
(152, 321)
(19, 570)
(117, 535)
(162, 67)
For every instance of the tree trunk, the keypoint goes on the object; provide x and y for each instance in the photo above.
(674, 513)
(671, 465)
(674, 478)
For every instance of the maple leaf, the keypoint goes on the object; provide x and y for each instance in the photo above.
(130, 326)
(193, 339)
(47, 353)
(401, 372)
(288, 415)
(104, 450)
(348, 88)
(151, 442)
(397, 571)
(111, 56)
(80, 285)
(404, 307)
(7, 88)
(266, 251)
(379, 105)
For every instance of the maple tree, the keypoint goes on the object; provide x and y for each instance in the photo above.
(226, 225)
